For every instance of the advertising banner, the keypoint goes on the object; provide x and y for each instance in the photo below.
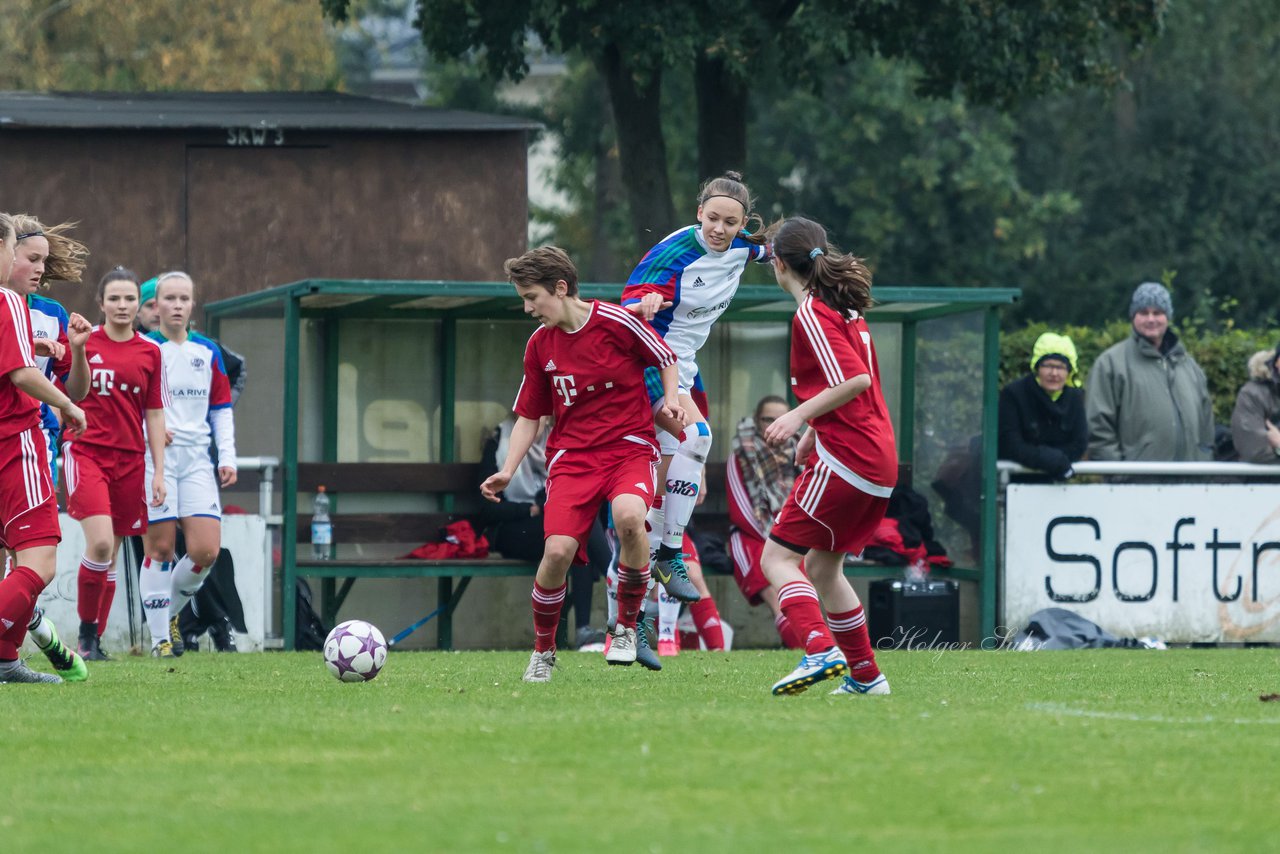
(1183, 563)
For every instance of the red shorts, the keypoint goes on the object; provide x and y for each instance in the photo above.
(828, 513)
(745, 549)
(577, 481)
(106, 482)
(28, 506)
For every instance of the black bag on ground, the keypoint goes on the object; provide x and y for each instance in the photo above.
(311, 631)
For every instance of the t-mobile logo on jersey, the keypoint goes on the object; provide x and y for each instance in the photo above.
(565, 386)
(104, 380)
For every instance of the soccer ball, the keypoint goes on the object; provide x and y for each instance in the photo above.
(355, 651)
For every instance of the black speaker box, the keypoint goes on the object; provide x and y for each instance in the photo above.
(913, 614)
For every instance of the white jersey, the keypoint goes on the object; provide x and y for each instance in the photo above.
(199, 395)
(49, 322)
(698, 281)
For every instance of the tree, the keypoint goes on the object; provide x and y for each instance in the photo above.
(143, 45)
(994, 53)
(1174, 172)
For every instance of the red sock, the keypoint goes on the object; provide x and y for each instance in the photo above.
(633, 584)
(8, 651)
(707, 618)
(90, 581)
(108, 594)
(546, 615)
(799, 602)
(850, 631)
(18, 593)
(790, 638)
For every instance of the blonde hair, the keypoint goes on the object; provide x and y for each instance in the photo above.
(66, 261)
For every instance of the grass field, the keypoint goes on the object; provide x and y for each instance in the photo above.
(1087, 751)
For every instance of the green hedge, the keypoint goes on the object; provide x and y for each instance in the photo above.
(1222, 354)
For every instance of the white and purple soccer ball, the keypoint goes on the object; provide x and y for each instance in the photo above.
(355, 651)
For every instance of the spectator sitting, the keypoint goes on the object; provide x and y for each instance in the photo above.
(1254, 420)
(1042, 420)
(759, 478)
(1147, 399)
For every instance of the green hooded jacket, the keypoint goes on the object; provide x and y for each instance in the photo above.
(1144, 405)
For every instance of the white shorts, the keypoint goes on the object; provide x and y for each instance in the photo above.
(190, 485)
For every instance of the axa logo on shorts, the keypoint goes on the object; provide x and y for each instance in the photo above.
(565, 388)
(104, 380)
(682, 487)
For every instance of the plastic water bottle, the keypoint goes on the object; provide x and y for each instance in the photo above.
(321, 526)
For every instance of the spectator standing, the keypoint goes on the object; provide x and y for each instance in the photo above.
(1255, 421)
(1146, 397)
(1042, 418)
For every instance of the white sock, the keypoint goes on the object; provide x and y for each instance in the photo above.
(153, 584)
(40, 630)
(188, 578)
(611, 578)
(654, 522)
(684, 479)
(668, 614)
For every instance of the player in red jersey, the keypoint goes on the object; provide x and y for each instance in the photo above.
(585, 366)
(28, 508)
(118, 375)
(851, 461)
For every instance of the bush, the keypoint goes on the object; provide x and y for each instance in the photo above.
(1221, 354)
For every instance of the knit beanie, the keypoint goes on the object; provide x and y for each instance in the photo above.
(147, 290)
(1151, 295)
(1051, 345)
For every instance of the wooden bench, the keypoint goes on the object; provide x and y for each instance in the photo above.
(447, 481)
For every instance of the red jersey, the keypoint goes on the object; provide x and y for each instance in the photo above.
(18, 411)
(127, 378)
(592, 379)
(856, 439)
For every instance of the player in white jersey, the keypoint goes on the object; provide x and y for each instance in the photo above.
(199, 404)
(681, 287)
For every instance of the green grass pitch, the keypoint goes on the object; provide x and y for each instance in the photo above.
(974, 751)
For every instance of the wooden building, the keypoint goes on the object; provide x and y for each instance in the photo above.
(251, 190)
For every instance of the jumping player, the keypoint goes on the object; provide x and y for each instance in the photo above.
(199, 405)
(851, 463)
(119, 375)
(28, 509)
(585, 366)
(681, 286)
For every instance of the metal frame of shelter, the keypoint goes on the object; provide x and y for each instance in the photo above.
(449, 302)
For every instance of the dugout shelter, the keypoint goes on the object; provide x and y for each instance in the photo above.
(411, 372)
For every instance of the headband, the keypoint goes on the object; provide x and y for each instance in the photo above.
(724, 196)
(25, 235)
(815, 252)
